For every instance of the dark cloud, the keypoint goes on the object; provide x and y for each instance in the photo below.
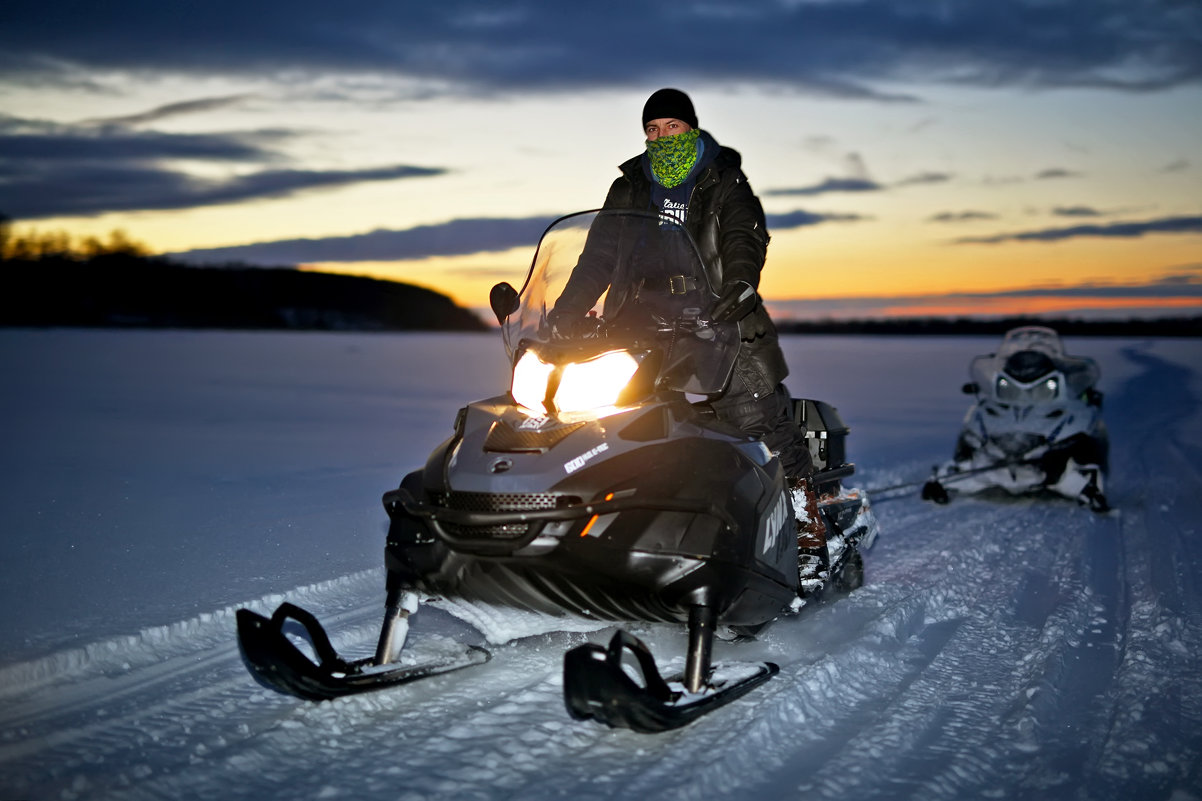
(1118, 230)
(1176, 286)
(925, 178)
(802, 219)
(828, 186)
(25, 140)
(1192, 275)
(50, 170)
(91, 190)
(455, 238)
(852, 48)
(1143, 300)
(1050, 174)
(197, 106)
(858, 184)
(1076, 211)
(961, 216)
(1055, 173)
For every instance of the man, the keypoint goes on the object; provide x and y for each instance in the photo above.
(684, 174)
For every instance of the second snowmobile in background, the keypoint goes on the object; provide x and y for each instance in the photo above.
(601, 488)
(1036, 424)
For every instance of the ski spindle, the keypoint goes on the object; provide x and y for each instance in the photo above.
(702, 620)
(393, 633)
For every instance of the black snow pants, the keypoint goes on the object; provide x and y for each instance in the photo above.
(768, 418)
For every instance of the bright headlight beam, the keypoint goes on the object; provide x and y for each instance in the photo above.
(595, 384)
(592, 385)
(530, 377)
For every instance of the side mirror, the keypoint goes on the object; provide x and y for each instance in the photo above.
(970, 388)
(504, 301)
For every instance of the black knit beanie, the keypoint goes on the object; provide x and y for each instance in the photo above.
(670, 104)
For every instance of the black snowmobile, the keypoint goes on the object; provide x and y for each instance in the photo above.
(601, 488)
(1035, 426)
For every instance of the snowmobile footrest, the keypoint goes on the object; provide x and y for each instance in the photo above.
(597, 684)
(275, 661)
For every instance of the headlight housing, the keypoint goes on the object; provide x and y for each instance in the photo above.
(592, 385)
(1008, 390)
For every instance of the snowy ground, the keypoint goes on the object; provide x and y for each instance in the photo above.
(153, 482)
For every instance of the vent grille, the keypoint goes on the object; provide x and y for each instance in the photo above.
(498, 502)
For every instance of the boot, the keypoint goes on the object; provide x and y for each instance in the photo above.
(1093, 497)
(813, 559)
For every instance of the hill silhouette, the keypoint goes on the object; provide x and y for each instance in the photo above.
(133, 290)
(130, 290)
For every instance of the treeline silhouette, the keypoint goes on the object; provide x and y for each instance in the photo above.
(1131, 327)
(56, 281)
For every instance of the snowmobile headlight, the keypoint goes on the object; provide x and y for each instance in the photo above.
(595, 384)
(530, 377)
(588, 386)
(1045, 390)
(1042, 390)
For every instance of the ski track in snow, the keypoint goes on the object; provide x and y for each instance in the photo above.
(1001, 648)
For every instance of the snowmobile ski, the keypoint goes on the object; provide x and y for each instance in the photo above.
(598, 683)
(934, 489)
(279, 664)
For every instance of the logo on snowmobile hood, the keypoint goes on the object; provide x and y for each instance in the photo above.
(773, 524)
(535, 424)
(582, 459)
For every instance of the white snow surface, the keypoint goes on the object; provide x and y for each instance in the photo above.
(154, 482)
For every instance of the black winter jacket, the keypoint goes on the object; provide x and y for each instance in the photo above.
(726, 220)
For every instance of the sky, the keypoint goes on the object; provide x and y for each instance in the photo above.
(912, 156)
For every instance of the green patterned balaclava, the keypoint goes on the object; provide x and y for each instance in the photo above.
(673, 157)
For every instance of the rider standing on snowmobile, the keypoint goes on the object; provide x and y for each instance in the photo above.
(684, 174)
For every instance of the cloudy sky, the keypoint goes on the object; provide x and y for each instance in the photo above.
(913, 156)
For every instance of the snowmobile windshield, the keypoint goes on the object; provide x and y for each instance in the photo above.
(1035, 338)
(613, 279)
(1031, 366)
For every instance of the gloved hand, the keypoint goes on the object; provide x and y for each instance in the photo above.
(564, 324)
(754, 325)
(737, 300)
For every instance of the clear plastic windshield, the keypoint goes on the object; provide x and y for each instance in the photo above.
(625, 279)
(1031, 367)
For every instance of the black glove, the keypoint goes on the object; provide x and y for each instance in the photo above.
(736, 302)
(754, 325)
(564, 324)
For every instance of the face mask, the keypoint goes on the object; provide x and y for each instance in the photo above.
(673, 157)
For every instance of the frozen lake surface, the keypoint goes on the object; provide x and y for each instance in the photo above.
(154, 482)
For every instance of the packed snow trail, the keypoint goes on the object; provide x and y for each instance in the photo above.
(1001, 648)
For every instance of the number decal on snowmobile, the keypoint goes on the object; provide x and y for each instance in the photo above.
(773, 523)
(582, 459)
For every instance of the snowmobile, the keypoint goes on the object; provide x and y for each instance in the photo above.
(601, 488)
(1035, 426)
